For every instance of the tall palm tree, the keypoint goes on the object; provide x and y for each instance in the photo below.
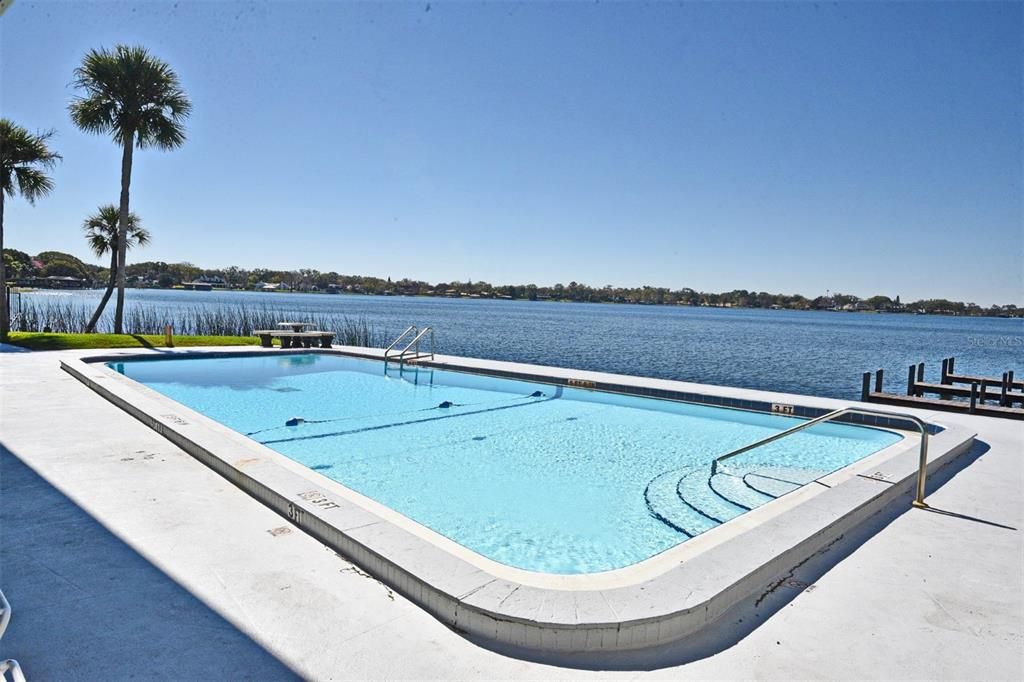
(138, 100)
(24, 160)
(101, 231)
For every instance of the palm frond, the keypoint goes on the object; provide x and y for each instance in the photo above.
(129, 92)
(24, 158)
(101, 230)
(32, 183)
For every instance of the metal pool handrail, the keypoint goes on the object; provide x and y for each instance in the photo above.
(922, 467)
(400, 337)
(9, 665)
(414, 344)
(5, 613)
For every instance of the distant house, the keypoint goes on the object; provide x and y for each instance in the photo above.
(214, 280)
(277, 286)
(55, 282)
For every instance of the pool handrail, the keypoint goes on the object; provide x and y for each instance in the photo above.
(5, 613)
(922, 470)
(414, 345)
(10, 665)
(411, 329)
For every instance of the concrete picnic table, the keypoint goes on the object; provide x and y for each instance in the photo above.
(295, 326)
(293, 338)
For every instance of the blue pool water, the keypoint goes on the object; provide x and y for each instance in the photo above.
(547, 479)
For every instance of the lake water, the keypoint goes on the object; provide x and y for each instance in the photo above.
(814, 353)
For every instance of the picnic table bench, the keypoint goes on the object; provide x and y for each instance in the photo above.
(293, 338)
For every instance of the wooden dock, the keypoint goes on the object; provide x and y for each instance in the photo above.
(986, 396)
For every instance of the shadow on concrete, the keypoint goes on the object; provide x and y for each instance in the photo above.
(965, 517)
(751, 613)
(86, 606)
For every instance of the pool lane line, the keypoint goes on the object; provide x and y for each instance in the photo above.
(444, 405)
(405, 423)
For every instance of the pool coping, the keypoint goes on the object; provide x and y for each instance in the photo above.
(662, 599)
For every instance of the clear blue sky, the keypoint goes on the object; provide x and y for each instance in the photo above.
(862, 148)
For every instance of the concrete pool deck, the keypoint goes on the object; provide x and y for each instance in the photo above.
(110, 547)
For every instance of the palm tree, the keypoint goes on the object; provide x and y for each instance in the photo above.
(101, 232)
(24, 160)
(137, 99)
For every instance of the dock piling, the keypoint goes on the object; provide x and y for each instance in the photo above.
(944, 379)
(986, 396)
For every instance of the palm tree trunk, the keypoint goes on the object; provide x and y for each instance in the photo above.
(5, 320)
(111, 282)
(119, 311)
(122, 228)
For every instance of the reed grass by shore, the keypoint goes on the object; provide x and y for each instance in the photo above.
(70, 317)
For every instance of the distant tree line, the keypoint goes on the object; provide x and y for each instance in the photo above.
(156, 274)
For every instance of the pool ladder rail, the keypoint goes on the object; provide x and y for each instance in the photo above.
(411, 350)
(10, 665)
(705, 512)
(922, 466)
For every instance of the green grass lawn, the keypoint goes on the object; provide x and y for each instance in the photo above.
(40, 341)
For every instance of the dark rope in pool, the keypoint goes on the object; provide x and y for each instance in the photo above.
(443, 405)
(423, 420)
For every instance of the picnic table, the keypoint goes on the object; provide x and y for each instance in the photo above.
(295, 326)
(292, 335)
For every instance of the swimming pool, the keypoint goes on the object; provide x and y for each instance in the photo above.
(535, 476)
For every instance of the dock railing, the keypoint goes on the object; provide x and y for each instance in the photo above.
(922, 468)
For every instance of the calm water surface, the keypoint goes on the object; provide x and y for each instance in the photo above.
(815, 353)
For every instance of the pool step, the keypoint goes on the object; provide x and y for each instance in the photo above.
(691, 500)
(684, 500)
(664, 505)
(777, 481)
(736, 490)
(695, 491)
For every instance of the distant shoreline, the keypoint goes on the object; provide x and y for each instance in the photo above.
(57, 270)
(981, 312)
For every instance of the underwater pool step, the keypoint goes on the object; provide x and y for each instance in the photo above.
(777, 481)
(694, 490)
(734, 489)
(664, 504)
